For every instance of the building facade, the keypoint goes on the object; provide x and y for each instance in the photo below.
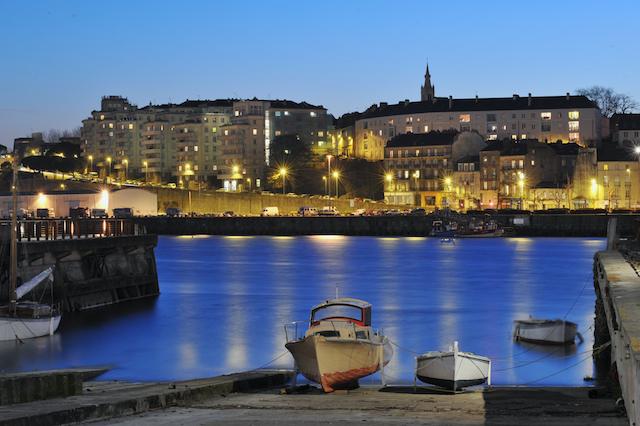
(625, 129)
(197, 141)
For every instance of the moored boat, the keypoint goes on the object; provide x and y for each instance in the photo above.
(554, 332)
(453, 369)
(340, 346)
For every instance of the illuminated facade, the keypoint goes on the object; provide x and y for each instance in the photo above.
(625, 129)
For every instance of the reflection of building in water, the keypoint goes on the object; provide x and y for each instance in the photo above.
(283, 288)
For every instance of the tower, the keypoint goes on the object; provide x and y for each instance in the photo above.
(427, 91)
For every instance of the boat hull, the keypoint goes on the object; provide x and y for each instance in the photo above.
(546, 332)
(491, 234)
(338, 363)
(16, 328)
(453, 371)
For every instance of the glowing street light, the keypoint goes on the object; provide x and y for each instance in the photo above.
(326, 185)
(146, 170)
(126, 168)
(283, 173)
(336, 176)
(90, 157)
(329, 157)
(637, 149)
(109, 163)
(521, 178)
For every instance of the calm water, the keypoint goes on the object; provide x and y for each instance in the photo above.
(225, 299)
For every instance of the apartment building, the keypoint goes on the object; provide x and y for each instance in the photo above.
(466, 182)
(625, 129)
(419, 167)
(196, 141)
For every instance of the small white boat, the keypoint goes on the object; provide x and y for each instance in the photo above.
(340, 346)
(453, 369)
(554, 332)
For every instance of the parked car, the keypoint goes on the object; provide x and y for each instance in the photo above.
(418, 212)
(270, 211)
(78, 212)
(328, 211)
(173, 212)
(307, 211)
(123, 212)
(44, 213)
(102, 213)
(228, 213)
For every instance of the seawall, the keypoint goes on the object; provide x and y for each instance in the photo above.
(534, 225)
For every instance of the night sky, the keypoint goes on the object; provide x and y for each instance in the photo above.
(60, 57)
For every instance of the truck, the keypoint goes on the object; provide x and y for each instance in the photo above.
(270, 211)
(307, 211)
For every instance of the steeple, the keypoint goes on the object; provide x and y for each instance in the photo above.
(427, 91)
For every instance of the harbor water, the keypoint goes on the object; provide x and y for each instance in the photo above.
(224, 301)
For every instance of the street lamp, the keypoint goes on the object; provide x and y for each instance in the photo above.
(521, 185)
(126, 168)
(249, 182)
(329, 157)
(146, 170)
(109, 163)
(283, 173)
(336, 176)
(90, 163)
(389, 178)
(326, 185)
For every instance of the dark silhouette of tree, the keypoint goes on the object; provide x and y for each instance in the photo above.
(64, 149)
(53, 163)
(3, 150)
(54, 135)
(609, 101)
(361, 178)
(291, 153)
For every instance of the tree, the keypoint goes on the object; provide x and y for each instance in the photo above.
(54, 135)
(293, 154)
(609, 101)
(3, 150)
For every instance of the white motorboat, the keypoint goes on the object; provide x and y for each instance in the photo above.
(554, 332)
(339, 347)
(453, 369)
(21, 320)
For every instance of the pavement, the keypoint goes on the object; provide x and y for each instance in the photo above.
(392, 405)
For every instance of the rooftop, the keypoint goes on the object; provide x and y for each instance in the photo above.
(625, 122)
(515, 102)
(615, 153)
(433, 138)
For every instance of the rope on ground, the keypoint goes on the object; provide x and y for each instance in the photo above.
(271, 362)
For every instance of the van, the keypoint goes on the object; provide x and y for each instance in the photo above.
(328, 211)
(270, 211)
(307, 211)
(123, 212)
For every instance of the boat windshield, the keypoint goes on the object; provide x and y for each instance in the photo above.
(337, 311)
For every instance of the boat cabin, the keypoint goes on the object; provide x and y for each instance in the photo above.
(342, 309)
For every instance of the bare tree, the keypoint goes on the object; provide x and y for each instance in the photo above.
(54, 135)
(609, 101)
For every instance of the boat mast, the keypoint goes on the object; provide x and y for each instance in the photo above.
(13, 266)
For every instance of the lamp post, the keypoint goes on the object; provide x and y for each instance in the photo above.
(521, 185)
(146, 170)
(249, 182)
(90, 163)
(283, 173)
(126, 168)
(326, 187)
(109, 163)
(447, 183)
(329, 157)
(336, 176)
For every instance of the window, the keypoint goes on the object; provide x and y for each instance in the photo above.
(465, 118)
(545, 115)
(574, 126)
(605, 167)
(545, 127)
(195, 148)
(286, 113)
(493, 137)
(254, 131)
(491, 117)
(277, 113)
(484, 184)
(226, 132)
(409, 129)
(574, 115)
(111, 125)
(380, 132)
(111, 134)
(417, 153)
(130, 126)
(533, 163)
(492, 128)
(426, 129)
(574, 137)
(313, 114)
(391, 154)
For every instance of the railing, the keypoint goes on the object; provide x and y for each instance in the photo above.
(295, 330)
(67, 229)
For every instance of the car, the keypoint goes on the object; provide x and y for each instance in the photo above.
(173, 211)
(328, 211)
(418, 212)
(270, 211)
(359, 212)
(307, 211)
(228, 213)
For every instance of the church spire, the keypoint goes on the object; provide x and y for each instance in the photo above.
(427, 91)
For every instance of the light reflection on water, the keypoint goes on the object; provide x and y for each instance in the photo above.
(225, 300)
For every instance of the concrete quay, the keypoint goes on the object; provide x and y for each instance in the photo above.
(104, 400)
(617, 283)
(392, 405)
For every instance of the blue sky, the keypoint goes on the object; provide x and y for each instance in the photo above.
(60, 57)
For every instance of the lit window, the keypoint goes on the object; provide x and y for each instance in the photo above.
(426, 129)
(111, 134)
(574, 136)
(313, 114)
(278, 133)
(605, 167)
(101, 116)
(286, 113)
(545, 115)
(226, 132)
(130, 126)
(465, 118)
(523, 136)
(236, 113)
(574, 126)
(514, 137)
(111, 125)
(417, 153)
(574, 115)
(254, 131)
(533, 163)
(409, 129)
(320, 134)
(277, 113)
(493, 137)
(196, 166)
(380, 132)
(214, 129)
(195, 148)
